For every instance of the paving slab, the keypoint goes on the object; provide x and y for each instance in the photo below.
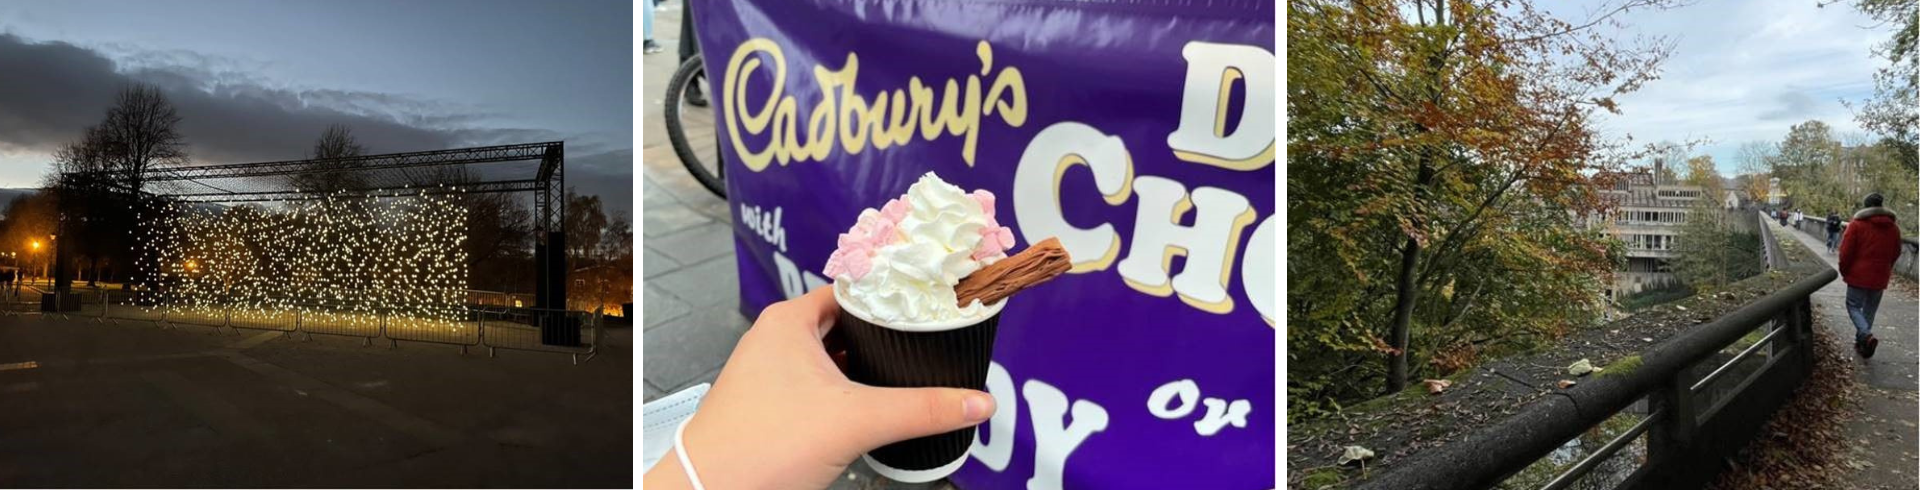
(713, 284)
(683, 350)
(665, 219)
(695, 244)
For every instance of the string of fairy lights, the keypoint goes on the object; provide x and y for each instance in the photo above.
(346, 260)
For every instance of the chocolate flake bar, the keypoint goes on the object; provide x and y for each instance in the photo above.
(1037, 264)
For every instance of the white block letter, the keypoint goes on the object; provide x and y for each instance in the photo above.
(1036, 189)
(1209, 244)
(1052, 443)
(998, 450)
(1256, 270)
(1186, 390)
(1202, 135)
(1214, 420)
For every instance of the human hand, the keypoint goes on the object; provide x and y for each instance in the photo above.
(782, 415)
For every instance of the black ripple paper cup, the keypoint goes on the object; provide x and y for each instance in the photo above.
(952, 355)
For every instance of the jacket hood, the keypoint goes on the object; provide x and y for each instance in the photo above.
(1875, 212)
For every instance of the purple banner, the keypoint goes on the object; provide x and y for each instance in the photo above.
(1138, 133)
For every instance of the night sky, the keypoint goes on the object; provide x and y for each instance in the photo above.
(257, 81)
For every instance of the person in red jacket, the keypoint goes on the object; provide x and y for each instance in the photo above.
(1867, 252)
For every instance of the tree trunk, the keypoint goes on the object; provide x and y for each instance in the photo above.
(1403, 317)
(1408, 294)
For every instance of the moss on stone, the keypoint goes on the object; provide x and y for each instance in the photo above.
(1329, 477)
(1623, 366)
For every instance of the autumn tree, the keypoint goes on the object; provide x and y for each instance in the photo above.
(1894, 109)
(1804, 155)
(1710, 251)
(1824, 172)
(29, 218)
(1441, 155)
(1756, 162)
(600, 247)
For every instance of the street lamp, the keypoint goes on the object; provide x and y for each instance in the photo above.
(36, 250)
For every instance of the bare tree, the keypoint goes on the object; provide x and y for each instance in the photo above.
(330, 171)
(140, 133)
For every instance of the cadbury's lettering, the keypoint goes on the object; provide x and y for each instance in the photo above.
(848, 119)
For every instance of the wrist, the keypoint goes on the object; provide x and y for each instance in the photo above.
(715, 455)
(666, 474)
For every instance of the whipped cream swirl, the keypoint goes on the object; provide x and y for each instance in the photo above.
(898, 264)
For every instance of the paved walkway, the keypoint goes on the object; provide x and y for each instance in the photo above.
(1884, 436)
(91, 404)
(692, 291)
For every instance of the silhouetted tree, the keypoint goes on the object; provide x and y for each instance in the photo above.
(331, 173)
(139, 133)
(101, 174)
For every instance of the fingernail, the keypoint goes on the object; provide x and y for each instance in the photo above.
(978, 406)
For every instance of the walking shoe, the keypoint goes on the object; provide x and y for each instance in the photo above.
(1866, 350)
(651, 47)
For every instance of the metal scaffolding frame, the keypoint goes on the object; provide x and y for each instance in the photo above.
(391, 176)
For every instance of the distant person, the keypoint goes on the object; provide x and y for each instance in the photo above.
(1867, 251)
(650, 46)
(689, 48)
(1833, 231)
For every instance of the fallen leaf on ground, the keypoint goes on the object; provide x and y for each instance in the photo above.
(1582, 367)
(1355, 454)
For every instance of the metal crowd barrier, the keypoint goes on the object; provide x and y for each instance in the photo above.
(575, 333)
(531, 329)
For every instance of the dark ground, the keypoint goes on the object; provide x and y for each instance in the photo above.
(89, 404)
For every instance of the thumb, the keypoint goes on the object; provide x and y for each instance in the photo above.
(898, 414)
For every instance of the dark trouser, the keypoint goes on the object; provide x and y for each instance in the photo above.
(1833, 240)
(689, 45)
(1861, 305)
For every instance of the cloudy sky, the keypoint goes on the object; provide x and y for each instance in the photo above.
(256, 81)
(1747, 70)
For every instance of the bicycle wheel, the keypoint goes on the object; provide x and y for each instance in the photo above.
(710, 170)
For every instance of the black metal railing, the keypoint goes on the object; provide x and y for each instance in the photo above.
(1702, 396)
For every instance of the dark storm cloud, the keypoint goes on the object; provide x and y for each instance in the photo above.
(608, 175)
(1793, 105)
(49, 91)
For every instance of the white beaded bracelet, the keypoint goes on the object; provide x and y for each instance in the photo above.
(680, 448)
